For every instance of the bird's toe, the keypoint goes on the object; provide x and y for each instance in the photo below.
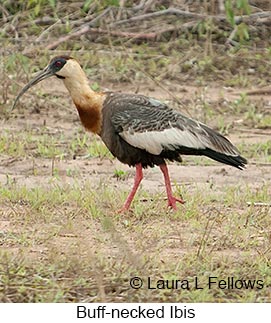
(172, 202)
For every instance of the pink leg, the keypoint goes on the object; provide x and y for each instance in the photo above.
(137, 180)
(171, 199)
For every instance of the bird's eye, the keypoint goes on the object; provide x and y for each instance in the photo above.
(58, 63)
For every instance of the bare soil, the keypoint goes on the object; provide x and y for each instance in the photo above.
(96, 170)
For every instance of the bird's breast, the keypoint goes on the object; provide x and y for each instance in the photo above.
(90, 112)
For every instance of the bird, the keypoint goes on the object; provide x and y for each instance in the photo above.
(139, 131)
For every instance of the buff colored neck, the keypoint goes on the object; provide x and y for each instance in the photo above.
(88, 102)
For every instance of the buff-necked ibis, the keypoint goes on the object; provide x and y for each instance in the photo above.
(138, 130)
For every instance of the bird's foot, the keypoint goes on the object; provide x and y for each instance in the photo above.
(172, 202)
(124, 209)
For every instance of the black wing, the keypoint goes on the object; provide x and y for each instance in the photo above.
(151, 125)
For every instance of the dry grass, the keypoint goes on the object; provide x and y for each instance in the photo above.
(65, 243)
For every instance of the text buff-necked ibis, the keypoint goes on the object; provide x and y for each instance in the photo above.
(138, 130)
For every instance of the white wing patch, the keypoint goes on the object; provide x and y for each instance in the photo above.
(155, 141)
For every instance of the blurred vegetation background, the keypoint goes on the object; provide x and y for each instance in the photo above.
(159, 44)
(178, 39)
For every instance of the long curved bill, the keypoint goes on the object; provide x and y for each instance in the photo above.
(47, 72)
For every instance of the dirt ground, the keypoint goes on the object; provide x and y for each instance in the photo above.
(97, 169)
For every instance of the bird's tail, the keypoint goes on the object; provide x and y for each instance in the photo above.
(235, 161)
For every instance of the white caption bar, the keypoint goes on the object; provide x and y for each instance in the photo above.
(132, 312)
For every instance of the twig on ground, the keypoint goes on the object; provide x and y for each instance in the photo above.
(229, 41)
(169, 11)
(123, 34)
(258, 204)
(143, 5)
(259, 92)
(187, 14)
(82, 30)
(47, 30)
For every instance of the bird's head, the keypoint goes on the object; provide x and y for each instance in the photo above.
(62, 67)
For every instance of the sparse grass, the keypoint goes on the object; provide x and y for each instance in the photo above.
(50, 252)
(41, 144)
(120, 174)
(258, 151)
